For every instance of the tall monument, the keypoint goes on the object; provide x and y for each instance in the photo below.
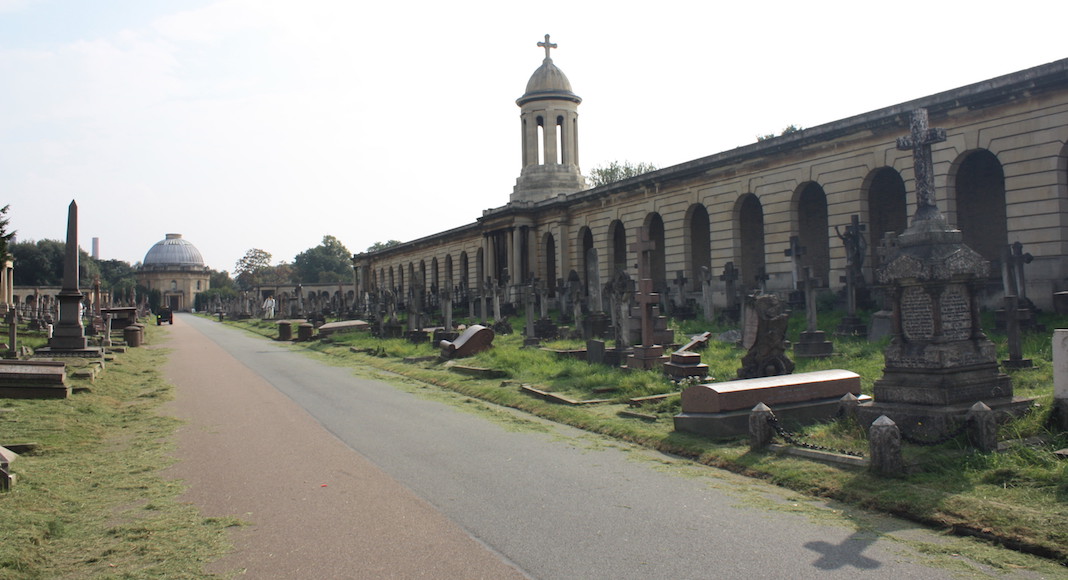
(68, 335)
(939, 362)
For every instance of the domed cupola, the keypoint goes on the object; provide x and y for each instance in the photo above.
(173, 252)
(550, 135)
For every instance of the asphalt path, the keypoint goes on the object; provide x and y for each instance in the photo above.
(480, 497)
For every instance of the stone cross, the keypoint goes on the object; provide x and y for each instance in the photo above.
(1012, 331)
(547, 46)
(920, 139)
(446, 304)
(795, 251)
(762, 278)
(810, 299)
(532, 288)
(680, 284)
(706, 294)
(1014, 260)
(855, 248)
(543, 299)
(593, 281)
(646, 298)
(729, 277)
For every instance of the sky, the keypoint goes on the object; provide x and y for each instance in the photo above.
(269, 124)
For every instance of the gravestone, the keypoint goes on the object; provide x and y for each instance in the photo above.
(856, 248)
(813, 342)
(708, 308)
(723, 409)
(685, 363)
(68, 334)
(765, 338)
(475, 339)
(33, 379)
(729, 277)
(1015, 284)
(648, 354)
(939, 362)
(1060, 377)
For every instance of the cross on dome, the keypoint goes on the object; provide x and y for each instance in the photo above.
(547, 46)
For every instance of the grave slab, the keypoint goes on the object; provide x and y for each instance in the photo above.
(747, 393)
(33, 379)
(343, 326)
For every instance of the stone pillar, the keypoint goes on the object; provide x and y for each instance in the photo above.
(760, 431)
(884, 439)
(983, 431)
(549, 133)
(1060, 375)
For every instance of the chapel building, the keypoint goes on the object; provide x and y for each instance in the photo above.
(1001, 176)
(175, 268)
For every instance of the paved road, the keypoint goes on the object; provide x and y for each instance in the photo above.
(349, 477)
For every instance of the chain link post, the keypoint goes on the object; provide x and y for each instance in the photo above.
(884, 439)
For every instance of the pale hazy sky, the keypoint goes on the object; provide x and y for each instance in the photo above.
(271, 123)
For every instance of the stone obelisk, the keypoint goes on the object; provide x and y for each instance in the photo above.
(68, 336)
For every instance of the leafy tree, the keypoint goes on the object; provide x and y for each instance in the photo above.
(5, 236)
(379, 246)
(616, 171)
(220, 279)
(788, 130)
(330, 261)
(41, 264)
(117, 276)
(252, 268)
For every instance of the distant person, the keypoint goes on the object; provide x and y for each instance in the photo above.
(268, 308)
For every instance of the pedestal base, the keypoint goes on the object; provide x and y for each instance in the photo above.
(813, 345)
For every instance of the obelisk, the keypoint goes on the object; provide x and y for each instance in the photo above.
(68, 336)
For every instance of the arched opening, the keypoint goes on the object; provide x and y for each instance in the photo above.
(980, 197)
(887, 209)
(812, 233)
(698, 244)
(750, 235)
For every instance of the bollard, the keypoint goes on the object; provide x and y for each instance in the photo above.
(760, 431)
(285, 331)
(847, 406)
(983, 431)
(884, 440)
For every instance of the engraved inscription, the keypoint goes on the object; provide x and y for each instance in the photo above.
(956, 313)
(917, 321)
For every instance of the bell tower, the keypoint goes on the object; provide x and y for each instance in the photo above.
(549, 121)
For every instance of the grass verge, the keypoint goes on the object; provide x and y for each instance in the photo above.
(90, 501)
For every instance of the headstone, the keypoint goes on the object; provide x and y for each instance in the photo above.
(856, 248)
(530, 336)
(648, 354)
(708, 309)
(475, 339)
(595, 351)
(685, 363)
(939, 362)
(813, 342)
(593, 281)
(1013, 315)
(767, 351)
(1060, 376)
(729, 277)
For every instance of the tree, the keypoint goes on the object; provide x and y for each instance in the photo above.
(616, 171)
(117, 276)
(330, 261)
(38, 263)
(379, 246)
(5, 236)
(220, 279)
(251, 269)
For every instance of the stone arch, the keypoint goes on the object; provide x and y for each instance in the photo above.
(617, 249)
(978, 185)
(586, 259)
(749, 236)
(810, 202)
(658, 259)
(548, 245)
(698, 244)
(887, 208)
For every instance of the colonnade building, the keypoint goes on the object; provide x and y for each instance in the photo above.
(1001, 176)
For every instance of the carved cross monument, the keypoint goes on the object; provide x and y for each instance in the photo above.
(919, 140)
(648, 355)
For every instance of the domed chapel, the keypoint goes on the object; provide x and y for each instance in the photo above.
(175, 268)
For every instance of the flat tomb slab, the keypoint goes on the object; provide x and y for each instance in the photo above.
(36, 372)
(747, 393)
(332, 327)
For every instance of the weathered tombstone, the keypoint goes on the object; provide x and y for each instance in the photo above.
(475, 339)
(595, 351)
(856, 247)
(767, 348)
(574, 291)
(939, 362)
(1060, 376)
(68, 335)
(761, 278)
(1012, 329)
(881, 320)
(707, 307)
(685, 363)
(647, 355)
(531, 334)
(1015, 284)
(729, 277)
(813, 342)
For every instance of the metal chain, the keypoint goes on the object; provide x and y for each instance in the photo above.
(792, 440)
(949, 436)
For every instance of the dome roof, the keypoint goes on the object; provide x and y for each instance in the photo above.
(173, 251)
(548, 82)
